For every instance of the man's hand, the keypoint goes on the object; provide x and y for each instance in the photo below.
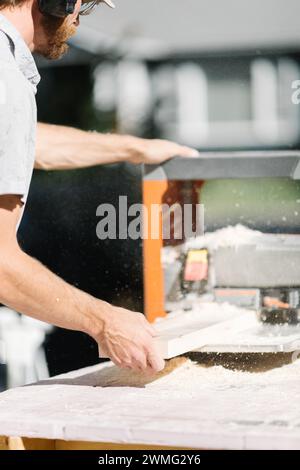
(156, 151)
(127, 339)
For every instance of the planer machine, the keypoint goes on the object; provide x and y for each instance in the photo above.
(235, 287)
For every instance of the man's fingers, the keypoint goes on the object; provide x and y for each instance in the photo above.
(139, 361)
(156, 363)
(155, 360)
(189, 152)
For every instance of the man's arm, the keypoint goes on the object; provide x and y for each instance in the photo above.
(30, 288)
(62, 148)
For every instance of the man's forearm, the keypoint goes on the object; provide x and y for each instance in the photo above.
(66, 148)
(63, 148)
(30, 288)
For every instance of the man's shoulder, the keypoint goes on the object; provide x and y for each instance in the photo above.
(10, 75)
(6, 49)
(10, 71)
(15, 93)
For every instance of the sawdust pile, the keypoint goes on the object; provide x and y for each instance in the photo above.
(184, 372)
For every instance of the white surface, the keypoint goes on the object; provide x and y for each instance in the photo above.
(187, 405)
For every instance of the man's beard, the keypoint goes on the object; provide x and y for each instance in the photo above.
(56, 32)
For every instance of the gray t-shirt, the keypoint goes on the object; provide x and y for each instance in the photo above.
(18, 80)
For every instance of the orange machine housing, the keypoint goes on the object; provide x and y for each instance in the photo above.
(158, 192)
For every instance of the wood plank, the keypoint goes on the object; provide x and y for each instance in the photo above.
(180, 334)
(3, 443)
(25, 443)
(85, 445)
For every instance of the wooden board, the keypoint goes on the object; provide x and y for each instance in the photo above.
(221, 328)
(25, 443)
(188, 332)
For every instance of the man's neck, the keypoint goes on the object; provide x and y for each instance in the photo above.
(22, 19)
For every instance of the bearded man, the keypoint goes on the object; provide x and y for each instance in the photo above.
(44, 26)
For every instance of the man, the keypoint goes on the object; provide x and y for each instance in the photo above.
(44, 26)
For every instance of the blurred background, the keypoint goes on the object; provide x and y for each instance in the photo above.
(209, 74)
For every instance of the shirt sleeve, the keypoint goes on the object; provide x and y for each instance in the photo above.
(14, 132)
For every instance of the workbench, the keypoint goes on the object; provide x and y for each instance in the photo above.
(206, 405)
